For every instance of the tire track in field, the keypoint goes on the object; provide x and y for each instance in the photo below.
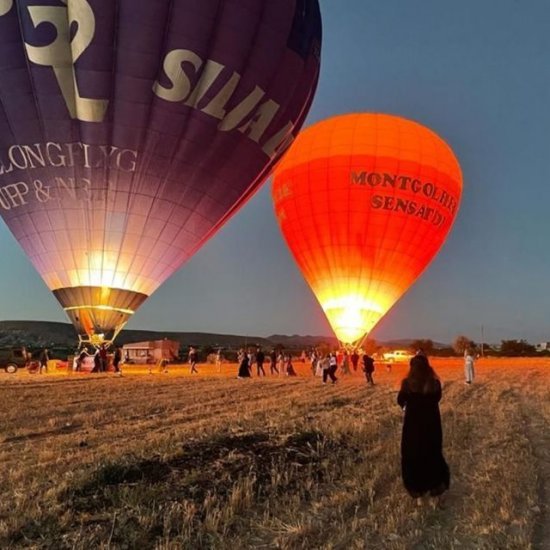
(538, 434)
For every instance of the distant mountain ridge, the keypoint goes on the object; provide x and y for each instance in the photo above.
(47, 333)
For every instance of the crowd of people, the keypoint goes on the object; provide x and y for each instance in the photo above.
(252, 361)
(327, 364)
(280, 362)
(100, 357)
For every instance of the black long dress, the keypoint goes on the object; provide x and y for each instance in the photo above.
(422, 463)
(244, 368)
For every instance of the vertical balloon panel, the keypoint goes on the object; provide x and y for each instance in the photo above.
(131, 130)
(365, 202)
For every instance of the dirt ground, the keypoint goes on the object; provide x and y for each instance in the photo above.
(208, 461)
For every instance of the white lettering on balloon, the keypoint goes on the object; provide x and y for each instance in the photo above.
(64, 190)
(63, 53)
(187, 78)
(13, 195)
(29, 158)
(66, 155)
(5, 6)
(251, 116)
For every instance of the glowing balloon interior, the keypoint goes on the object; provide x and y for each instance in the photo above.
(130, 130)
(365, 201)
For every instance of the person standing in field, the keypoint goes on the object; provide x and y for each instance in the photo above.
(251, 359)
(354, 360)
(75, 360)
(313, 359)
(44, 358)
(260, 358)
(117, 357)
(324, 365)
(81, 360)
(162, 366)
(469, 365)
(289, 369)
(244, 365)
(333, 361)
(219, 359)
(368, 368)
(273, 365)
(339, 357)
(97, 362)
(103, 358)
(192, 360)
(319, 365)
(281, 362)
(423, 467)
(345, 363)
(329, 366)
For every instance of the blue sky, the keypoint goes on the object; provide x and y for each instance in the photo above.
(475, 72)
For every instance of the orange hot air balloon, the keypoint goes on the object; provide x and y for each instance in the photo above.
(365, 201)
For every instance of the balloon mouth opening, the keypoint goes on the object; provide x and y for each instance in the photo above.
(352, 319)
(98, 313)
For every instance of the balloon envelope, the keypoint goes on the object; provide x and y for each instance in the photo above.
(130, 130)
(364, 202)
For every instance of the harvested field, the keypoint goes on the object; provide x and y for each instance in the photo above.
(209, 461)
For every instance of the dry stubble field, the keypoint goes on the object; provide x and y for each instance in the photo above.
(172, 461)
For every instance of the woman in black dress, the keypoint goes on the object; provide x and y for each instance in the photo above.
(244, 366)
(423, 466)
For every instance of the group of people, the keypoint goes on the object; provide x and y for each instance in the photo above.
(101, 360)
(280, 363)
(326, 365)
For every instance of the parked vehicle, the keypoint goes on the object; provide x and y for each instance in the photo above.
(12, 359)
(398, 356)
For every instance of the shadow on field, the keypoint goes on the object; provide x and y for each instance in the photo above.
(198, 496)
(200, 463)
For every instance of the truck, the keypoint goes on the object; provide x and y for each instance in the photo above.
(13, 359)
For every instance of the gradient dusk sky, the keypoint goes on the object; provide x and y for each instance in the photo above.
(478, 74)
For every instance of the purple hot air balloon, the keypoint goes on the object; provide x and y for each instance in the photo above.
(130, 130)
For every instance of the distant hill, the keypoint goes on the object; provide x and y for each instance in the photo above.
(44, 333)
(36, 334)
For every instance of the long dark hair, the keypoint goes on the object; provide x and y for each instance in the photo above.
(421, 377)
